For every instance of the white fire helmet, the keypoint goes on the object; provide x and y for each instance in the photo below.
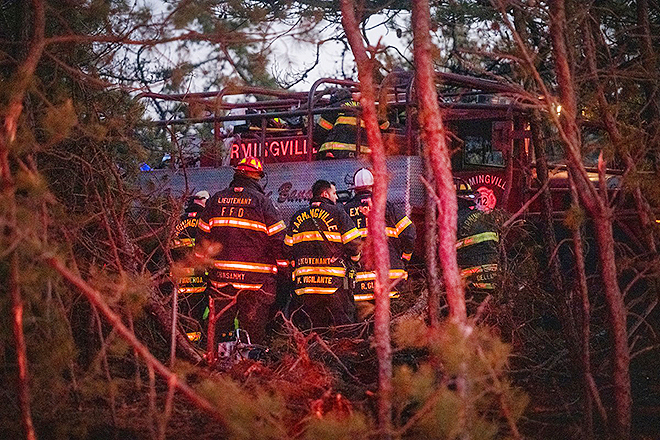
(363, 178)
(202, 195)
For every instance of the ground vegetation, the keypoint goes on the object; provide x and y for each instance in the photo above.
(567, 348)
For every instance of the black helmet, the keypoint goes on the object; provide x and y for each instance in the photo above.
(340, 95)
(464, 191)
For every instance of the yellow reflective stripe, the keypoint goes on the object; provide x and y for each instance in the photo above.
(246, 286)
(182, 271)
(399, 228)
(350, 235)
(337, 146)
(403, 224)
(277, 227)
(325, 124)
(365, 276)
(406, 256)
(394, 274)
(478, 269)
(183, 242)
(485, 286)
(364, 149)
(349, 120)
(316, 291)
(320, 270)
(220, 285)
(398, 273)
(198, 289)
(312, 236)
(236, 223)
(369, 296)
(477, 238)
(363, 232)
(248, 267)
(204, 226)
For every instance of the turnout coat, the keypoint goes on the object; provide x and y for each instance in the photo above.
(320, 240)
(189, 280)
(338, 132)
(244, 232)
(401, 236)
(477, 248)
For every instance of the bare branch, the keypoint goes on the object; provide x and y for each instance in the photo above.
(96, 299)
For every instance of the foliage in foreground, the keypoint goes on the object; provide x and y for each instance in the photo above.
(305, 393)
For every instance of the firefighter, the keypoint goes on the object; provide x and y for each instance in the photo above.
(337, 132)
(401, 236)
(240, 235)
(322, 242)
(190, 282)
(477, 245)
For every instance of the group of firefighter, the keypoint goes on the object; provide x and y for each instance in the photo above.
(238, 264)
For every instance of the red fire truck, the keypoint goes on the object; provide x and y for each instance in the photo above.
(488, 128)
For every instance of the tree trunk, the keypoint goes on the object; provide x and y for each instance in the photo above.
(617, 320)
(21, 350)
(8, 127)
(584, 353)
(19, 85)
(542, 173)
(435, 144)
(602, 218)
(431, 251)
(376, 218)
(641, 205)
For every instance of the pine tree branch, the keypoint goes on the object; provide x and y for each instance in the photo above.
(96, 299)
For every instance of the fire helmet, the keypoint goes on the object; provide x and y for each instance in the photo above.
(464, 191)
(250, 164)
(363, 178)
(340, 95)
(199, 195)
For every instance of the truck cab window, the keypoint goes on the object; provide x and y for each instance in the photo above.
(479, 141)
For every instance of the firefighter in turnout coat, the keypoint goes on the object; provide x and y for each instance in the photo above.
(337, 132)
(240, 234)
(401, 236)
(190, 282)
(477, 245)
(321, 241)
